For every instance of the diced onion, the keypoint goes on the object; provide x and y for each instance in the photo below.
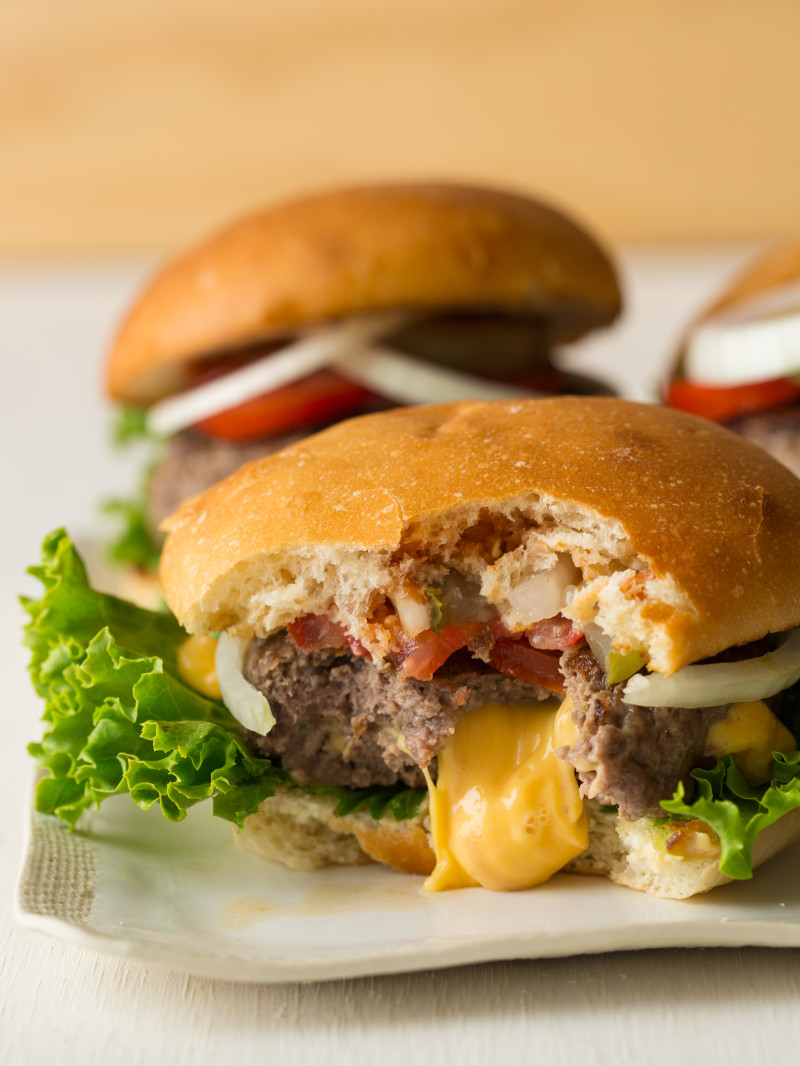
(713, 684)
(297, 360)
(414, 615)
(599, 642)
(408, 380)
(544, 594)
(247, 705)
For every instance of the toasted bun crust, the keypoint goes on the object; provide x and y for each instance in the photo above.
(393, 247)
(685, 534)
(777, 266)
(632, 854)
(301, 831)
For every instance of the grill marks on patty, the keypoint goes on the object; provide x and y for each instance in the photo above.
(341, 721)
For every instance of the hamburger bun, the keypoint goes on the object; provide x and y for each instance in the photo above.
(680, 540)
(322, 525)
(301, 831)
(774, 268)
(409, 248)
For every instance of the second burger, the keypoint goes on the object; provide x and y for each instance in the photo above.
(342, 303)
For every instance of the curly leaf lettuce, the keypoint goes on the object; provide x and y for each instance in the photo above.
(119, 718)
(134, 544)
(736, 811)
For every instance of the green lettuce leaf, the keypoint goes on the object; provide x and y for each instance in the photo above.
(119, 718)
(737, 812)
(134, 545)
(399, 801)
(130, 424)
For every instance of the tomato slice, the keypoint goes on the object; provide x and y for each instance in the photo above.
(520, 660)
(421, 656)
(313, 632)
(321, 397)
(724, 403)
(553, 634)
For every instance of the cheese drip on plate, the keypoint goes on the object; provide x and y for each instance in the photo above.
(505, 810)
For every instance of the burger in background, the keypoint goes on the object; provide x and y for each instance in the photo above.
(739, 363)
(339, 304)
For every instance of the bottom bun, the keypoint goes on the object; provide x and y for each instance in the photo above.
(301, 830)
(675, 860)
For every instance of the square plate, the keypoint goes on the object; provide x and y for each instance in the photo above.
(131, 883)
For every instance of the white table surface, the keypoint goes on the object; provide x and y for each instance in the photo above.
(64, 1004)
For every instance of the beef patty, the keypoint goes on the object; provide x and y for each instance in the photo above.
(192, 462)
(339, 720)
(630, 757)
(777, 432)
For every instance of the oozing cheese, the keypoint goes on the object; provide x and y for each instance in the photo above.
(751, 733)
(505, 810)
(197, 667)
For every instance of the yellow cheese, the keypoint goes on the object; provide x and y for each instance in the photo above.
(750, 732)
(197, 666)
(505, 810)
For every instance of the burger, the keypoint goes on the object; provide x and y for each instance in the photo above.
(338, 304)
(480, 642)
(739, 363)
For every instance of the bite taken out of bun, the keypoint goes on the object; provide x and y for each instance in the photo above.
(685, 536)
(581, 611)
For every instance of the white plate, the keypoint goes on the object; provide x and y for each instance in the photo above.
(136, 885)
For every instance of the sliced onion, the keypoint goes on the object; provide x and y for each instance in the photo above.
(716, 683)
(408, 380)
(297, 360)
(544, 594)
(753, 341)
(247, 705)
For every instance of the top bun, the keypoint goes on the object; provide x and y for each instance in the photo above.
(685, 534)
(777, 266)
(413, 247)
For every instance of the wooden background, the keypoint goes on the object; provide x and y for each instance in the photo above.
(137, 126)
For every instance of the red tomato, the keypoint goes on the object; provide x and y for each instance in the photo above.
(321, 397)
(422, 655)
(312, 632)
(528, 664)
(723, 403)
(550, 634)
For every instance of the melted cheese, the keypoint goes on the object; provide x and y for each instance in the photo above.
(505, 811)
(750, 732)
(197, 666)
